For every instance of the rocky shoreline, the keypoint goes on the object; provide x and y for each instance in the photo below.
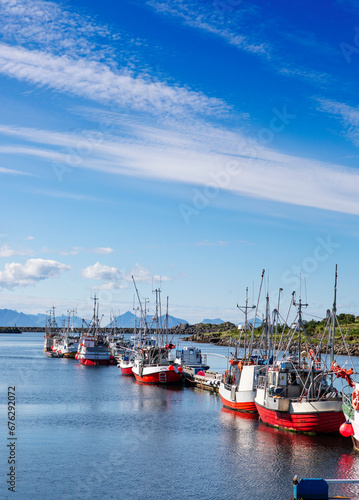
(213, 334)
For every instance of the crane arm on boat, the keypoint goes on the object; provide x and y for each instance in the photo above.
(342, 373)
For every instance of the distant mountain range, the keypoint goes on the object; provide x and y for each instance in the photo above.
(217, 321)
(9, 317)
(127, 320)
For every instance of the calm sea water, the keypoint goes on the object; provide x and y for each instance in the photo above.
(89, 433)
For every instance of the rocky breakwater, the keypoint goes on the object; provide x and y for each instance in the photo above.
(353, 350)
(206, 333)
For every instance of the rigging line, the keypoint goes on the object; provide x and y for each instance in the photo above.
(313, 316)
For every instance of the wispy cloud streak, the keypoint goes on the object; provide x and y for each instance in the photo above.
(347, 115)
(48, 25)
(225, 162)
(209, 17)
(98, 82)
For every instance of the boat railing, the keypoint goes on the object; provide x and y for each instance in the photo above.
(261, 382)
(347, 406)
(330, 396)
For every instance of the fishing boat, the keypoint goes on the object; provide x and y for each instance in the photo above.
(152, 364)
(297, 391)
(69, 348)
(93, 349)
(126, 351)
(238, 386)
(115, 338)
(126, 363)
(196, 372)
(67, 345)
(190, 357)
(51, 331)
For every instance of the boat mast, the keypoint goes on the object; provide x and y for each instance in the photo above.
(95, 316)
(167, 320)
(277, 320)
(68, 325)
(334, 313)
(244, 309)
(155, 318)
(143, 317)
(300, 322)
(267, 327)
(255, 315)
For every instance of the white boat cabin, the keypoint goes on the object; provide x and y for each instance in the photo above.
(192, 357)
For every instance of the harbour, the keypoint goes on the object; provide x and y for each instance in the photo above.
(88, 432)
(165, 157)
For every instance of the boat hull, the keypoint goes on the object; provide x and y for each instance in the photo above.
(156, 379)
(126, 371)
(91, 353)
(298, 420)
(160, 375)
(94, 362)
(240, 397)
(243, 406)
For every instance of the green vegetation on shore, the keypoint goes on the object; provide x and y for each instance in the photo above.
(224, 333)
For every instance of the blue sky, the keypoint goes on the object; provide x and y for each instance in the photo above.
(187, 142)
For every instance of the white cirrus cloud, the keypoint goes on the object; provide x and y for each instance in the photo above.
(62, 194)
(99, 82)
(347, 115)
(10, 171)
(31, 272)
(210, 159)
(210, 17)
(46, 24)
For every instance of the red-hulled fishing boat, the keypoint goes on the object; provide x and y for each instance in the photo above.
(126, 364)
(152, 364)
(297, 393)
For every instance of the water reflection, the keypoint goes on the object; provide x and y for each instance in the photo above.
(267, 459)
(110, 436)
